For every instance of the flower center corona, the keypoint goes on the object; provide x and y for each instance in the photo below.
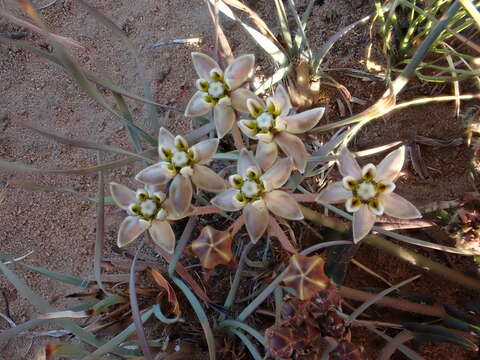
(366, 191)
(148, 208)
(264, 121)
(216, 89)
(250, 189)
(180, 159)
(149, 205)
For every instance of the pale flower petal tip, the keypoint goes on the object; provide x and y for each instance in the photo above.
(334, 193)
(223, 116)
(203, 64)
(181, 192)
(122, 195)
(239, 98)
(348, 165)
(163, 235)
(256, 219)
(227, 200)
(206, 179)
(304, 121)
(283, 204)
(155, 174)
(130, 229)
(239, 70)
(197, 106)
(399, 207)
(391, 166)
(363, 221)
(292, 146)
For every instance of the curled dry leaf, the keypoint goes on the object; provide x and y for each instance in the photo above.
(171, 296)
(213, 247)
(306, 275)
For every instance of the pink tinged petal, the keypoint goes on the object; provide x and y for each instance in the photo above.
(166, 139)
(206, 179)
(334, 193)
(266, 154)
(122, 195)
(246, 162)
(256, 219)
(277, 175)
(181, 192)
(265, 137)
(283, 204)
(163, 235)
(390, 167)
(167, 205)
(397, 206)
(363, 221)
(204, 150)
(155, 174)
(203, 64)
(246, 129)
(239, 70)
(227, 200)
(130, 229)
(282, 100)
(239, 99)
(197, 106)
(304, 121)
(347, 164)
(292, 146)
(224, 117)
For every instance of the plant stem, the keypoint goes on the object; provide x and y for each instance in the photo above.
(421, 261)
(395, 250)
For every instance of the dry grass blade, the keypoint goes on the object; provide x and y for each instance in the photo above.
(353, 316)
(67, 42)
(405, 350)
(86, 144)
(135, 309)
(392, 345)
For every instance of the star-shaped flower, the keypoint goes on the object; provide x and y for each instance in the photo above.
(184, 165)
(273, 125)
(213, 247)
(258, 194)
(147, 209)
(220, 90)
(368, 191)
(306, 275)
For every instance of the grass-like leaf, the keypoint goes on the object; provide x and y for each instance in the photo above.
(251, 348)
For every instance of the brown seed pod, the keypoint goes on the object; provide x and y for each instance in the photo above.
(281, 341)
(347, 351)
(306, 275)
(213, 247)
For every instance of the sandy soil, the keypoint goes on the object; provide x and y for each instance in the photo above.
(60, 228)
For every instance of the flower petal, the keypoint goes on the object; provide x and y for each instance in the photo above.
(363, 221)
(255, 107)
(292, 146)
(203, 64)
(334, 193)
(130, 229)
(122, 195)
(245, 162)
(304, 121)
(197, 106)
(166, 139)
(204, 150)
(256, 219)
(266, 154)
(239, 99)
(347, 164)
(206, 179)
(239, 70)
(282, 100)
(246, 129)
(168, 206)
(227, 201)
(224, 117)
(277, 175)
(390, 167)
(283, 204)
(158, 173)
(399, 207)
(163, 235)
(181, 192)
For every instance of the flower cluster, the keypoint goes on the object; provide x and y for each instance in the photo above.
(256, 187)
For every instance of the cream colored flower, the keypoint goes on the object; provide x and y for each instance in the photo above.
(258, 194)
(184, 165)
(368, 191)
(147, 209)
(272, 125)
(220, 90)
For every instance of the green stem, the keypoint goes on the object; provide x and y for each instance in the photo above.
(395, 250)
